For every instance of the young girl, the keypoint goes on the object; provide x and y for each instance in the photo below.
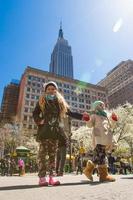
(102, 140)
(48, 115)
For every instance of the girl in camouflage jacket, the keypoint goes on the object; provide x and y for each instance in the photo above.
(48, 115)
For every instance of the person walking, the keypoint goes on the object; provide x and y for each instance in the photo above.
(63, 144)
(61, 156)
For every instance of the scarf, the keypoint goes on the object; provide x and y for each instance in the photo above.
(101, 113)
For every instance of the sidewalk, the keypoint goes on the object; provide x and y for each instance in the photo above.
(73, 187)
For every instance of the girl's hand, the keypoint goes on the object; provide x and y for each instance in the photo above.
(114, 117)
(86, 116)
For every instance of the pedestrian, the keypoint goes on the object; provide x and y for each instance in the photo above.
(111, 161)
(79, 164)
(61, 156)
(63, 145)
(13, 166)
(3, 167)
(21, 167)
(103, 141)
(48, 114)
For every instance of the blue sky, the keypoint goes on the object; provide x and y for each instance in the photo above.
(99, 31)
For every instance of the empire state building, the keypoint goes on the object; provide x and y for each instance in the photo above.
(61, 57)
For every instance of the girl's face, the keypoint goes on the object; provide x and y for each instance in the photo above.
(100, 107)
(51, 90)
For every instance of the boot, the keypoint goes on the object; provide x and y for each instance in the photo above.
(89, 170)
(53, 181)
(103, 173)
(43, 181)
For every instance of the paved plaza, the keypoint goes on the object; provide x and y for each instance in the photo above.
(73, 187)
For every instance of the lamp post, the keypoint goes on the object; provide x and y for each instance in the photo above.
(81, 152)
(70, 145)
(131, 150)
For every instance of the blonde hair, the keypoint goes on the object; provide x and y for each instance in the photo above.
(61, 101)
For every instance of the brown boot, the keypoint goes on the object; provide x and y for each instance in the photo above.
(89, 170)
(103, 173)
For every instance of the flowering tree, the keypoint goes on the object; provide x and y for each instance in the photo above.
(9, 138)
(32, 144)
(83, 134)
(124, 128)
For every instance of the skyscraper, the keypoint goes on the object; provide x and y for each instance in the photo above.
(61, 57)
(119, 83)
(10, 101)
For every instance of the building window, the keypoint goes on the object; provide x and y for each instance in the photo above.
(24, 125)
(25, 117)
(31, 110)
(29, 83)
(33, 84)
(29, 77)
(30, 119)
(30, 126)
(26, 102)
(67, 97)
(28, 89)
(74, 105)
(81, 95)
(32, 97)
(33, 90)
(87, 107)
(73, 87)
(81, 100)
(65, 86)
(26, 109)
(27, 96)
(32, 103)
(74, 98)
(34, 78)
(81, 106)
(38, 85)
(37, 97)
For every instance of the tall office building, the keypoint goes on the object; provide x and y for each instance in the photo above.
(79, 95)
(61, 57)
(119, 84)
(10, 101)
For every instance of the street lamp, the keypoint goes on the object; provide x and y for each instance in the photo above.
(70, 145)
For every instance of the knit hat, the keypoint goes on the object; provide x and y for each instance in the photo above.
(45, 85)
(96, 103)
